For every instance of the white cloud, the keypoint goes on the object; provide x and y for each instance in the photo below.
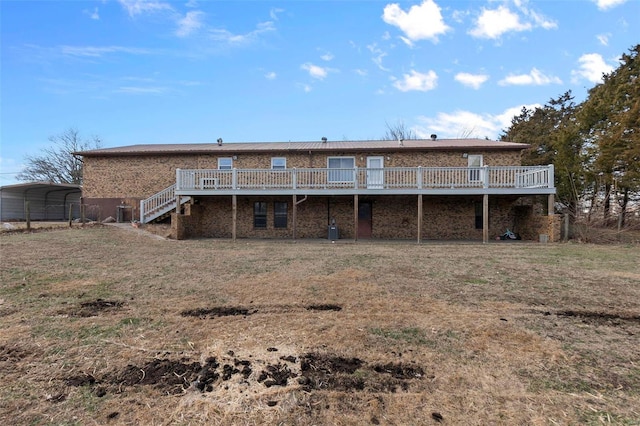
(534, 78)
(421, 22)
(137, 90)
(471, 80)
(379, 55)
(99, 51)
(468, 124)
(360, 72)
(305, 87)
(191, 22)
(608, 4)
(137, 7)
(315, 71)
(270, 75)
(604, 38)
(327, 56)
(273, 13)
(417, 81)
(493, 23)
(230, 38)
(93, 15)
(592, 67)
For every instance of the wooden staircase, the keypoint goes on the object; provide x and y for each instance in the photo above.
(160, 205)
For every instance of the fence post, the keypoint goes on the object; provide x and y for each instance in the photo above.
(71, 216)
(27, 208)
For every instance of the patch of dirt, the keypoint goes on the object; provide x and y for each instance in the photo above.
(13, 353)
(317, 372)
(95, 307)
(599, 318)
(326, 372)
(222, 311)
(326, 307)
(276, 375)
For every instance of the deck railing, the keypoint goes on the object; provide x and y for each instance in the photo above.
(388, 178)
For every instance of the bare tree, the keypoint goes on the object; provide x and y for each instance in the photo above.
(398, 131)
(57, 163)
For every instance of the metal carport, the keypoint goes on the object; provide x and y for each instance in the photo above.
(47, 201)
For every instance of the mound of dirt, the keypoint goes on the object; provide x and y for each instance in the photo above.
(95, 307)
(318, 372)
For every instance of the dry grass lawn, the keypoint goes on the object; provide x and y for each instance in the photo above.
(107, 326)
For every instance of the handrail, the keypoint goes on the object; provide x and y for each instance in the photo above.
(366, 178)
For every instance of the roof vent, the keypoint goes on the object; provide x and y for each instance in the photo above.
(324, 140)
(434, 136)
(219, 141)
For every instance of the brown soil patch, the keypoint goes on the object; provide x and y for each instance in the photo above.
(95, 308)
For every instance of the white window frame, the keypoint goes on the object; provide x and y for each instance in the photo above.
(342, 174)
(276, 160)
(222, 160)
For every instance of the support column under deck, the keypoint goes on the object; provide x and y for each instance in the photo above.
(355, 217)
(485, 218)
(551, 205)
(419, 218)
(234, 216)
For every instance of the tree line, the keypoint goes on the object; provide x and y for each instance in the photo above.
(594, 145)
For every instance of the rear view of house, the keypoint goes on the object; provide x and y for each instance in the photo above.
(466, 189)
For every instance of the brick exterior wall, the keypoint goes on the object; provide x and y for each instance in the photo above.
(125, 180)
(392, 217)
(139, 177)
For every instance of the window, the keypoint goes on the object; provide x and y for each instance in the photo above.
(260, 215)
(479, 221)
(280, 215)
(341, 163)
(278, 163)
(225, 163)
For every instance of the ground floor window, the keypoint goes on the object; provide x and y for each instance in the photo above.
(479, 221)
(260, 215)
(280, 215)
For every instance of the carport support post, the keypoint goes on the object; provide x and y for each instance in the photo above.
(419, 218)
(355, 217)
(485, 218)
(234, 216)
(27, 208)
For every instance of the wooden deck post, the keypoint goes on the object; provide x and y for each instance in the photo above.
(485, 218)
(551, 205)
(355, 217)
(294, 214)
(419, 218)
(234, 215)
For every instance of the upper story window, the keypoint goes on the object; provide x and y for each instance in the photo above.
(225, 163)
(341, 163)
(278, 163)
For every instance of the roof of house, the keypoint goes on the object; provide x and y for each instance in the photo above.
(318, 146)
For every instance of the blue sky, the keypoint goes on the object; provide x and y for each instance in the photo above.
(133, 71)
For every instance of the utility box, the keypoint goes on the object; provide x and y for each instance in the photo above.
(333, 233)
(544, 238)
